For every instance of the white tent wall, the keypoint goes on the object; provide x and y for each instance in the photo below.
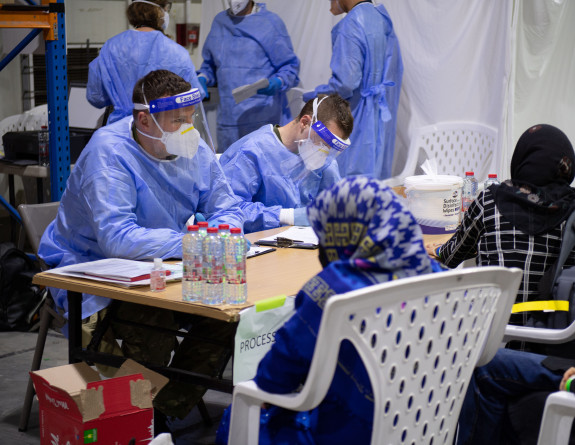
(545, 66)
(457, 65)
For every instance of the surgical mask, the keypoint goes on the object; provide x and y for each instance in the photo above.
(182, 142)
(238, 6)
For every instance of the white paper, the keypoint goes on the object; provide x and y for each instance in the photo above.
(258, 250)
(297, 234)
(242, 93)
(98, 270)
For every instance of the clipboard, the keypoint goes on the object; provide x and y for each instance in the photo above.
(295, 237)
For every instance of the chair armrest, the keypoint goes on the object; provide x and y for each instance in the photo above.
(246, 406)
(540, 335)
(557, 419)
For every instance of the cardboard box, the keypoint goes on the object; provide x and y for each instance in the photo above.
(77, 407)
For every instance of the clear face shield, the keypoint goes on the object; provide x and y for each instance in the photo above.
(181, 121)
(320, 148)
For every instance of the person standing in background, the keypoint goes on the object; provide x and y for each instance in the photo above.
(132, 54)
(248, 43)
(366, 70)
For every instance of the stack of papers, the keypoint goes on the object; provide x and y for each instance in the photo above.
(296, 236)
(118, 271)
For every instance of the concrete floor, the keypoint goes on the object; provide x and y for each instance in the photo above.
(16, 351)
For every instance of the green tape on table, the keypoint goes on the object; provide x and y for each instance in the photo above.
(270, 303)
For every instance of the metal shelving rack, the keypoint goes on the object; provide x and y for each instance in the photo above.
(48, 17)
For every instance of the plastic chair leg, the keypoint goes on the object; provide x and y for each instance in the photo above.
(45, 321)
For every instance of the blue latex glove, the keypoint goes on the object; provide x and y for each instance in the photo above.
(300, 217)
(309, 95)
(274, 86)
(204, 84)
(199, 218)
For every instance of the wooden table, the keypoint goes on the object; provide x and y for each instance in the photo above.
(282, 272)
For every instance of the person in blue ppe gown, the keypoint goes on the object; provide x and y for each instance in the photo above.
(248, 43)
(129, 56)
(366, 70)
(130, 195)
(388, 245)
(268, 168)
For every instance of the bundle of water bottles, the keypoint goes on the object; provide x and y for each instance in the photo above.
(470, 188)
(214, 261)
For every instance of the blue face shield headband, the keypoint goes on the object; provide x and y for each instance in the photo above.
(329, 138)
(182, 100)
(181, 137)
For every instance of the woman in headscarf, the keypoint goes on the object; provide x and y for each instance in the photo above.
(520, 222)
(366, 236)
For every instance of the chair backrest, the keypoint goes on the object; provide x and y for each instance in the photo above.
(456, 146)
(35, 218)
(420, 339)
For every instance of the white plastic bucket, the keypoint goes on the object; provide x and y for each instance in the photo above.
(435, 202)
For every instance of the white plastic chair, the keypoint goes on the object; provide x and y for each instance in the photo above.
(457, 148)
(560, 406)
(557, 419)
(419, 338)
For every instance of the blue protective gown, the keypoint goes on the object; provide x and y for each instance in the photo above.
(367, 71)
(126, 58)
(121, 202)
(254, 168)
(242, 50)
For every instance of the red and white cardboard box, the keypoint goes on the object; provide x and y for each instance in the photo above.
(77, 407)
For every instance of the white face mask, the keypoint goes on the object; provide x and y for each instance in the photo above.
(238, 6)
(166, 20)
(182, 142)
(313, 155)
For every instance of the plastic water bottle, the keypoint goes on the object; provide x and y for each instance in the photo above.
(491, 179)
(158, 276)
(236, 290)
(213, 261)
(43, 144)
(469, 190)
(224, 233)
(192, 280)
(203, 228)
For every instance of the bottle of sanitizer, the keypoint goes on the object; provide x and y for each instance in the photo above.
(158, 276)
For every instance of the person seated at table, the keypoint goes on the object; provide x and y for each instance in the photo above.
(505, 399)
(277, 170)
(130, 195)
(520, 222)
(377, 240)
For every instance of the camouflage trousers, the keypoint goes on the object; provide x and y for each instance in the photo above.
(205, 354)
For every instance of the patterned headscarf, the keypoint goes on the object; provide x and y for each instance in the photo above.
(364, 228)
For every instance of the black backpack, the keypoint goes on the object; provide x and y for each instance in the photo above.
(20, 300)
